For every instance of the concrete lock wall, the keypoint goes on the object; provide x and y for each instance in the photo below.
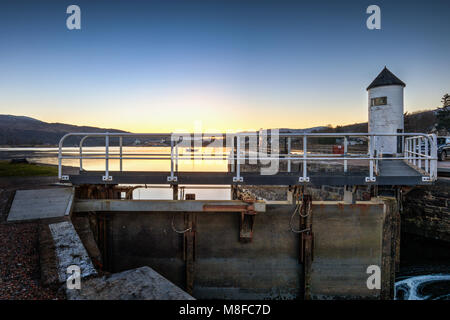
(347, 239)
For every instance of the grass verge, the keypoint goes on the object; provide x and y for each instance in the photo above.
(25, 170)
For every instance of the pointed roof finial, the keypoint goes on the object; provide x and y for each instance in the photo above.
(385, 78)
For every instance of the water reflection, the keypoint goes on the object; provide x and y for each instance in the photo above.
(424, 287)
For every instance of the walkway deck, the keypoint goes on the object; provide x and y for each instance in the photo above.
(391, 173)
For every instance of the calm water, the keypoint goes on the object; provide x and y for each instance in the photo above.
(49, 156)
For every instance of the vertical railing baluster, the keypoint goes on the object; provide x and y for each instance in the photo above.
(345, 153)
(305, 151)
(238, 161)
(120, 150)
(289, 155)
(106, 157)
(426, 155)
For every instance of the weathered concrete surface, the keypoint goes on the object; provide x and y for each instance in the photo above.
(83, 228)
(426, 211)
(41, 204)
(70, 250)
(138, 284)
(47, 257)
(347, 239)
(267, 267)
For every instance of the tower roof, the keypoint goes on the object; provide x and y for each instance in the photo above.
(385, 78)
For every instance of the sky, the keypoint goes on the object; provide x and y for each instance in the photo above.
(163, 66)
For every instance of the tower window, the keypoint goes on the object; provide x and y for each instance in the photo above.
(381, 101)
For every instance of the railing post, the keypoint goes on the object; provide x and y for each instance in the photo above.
(176, 157)
(289, 155)
(345, 153)
(426, 155)
(120, 150)
(419, 151)
(305, 177)
(81, 154)
(238, 177)
(59, 163)
(414, 151)
(371, 177)
(433, 154)
(106, 177)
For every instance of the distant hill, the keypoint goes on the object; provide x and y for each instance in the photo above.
(419, 121)
(20, 130)
(26, 131)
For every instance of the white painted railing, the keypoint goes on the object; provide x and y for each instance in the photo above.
(423, 158)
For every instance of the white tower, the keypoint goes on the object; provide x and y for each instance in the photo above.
(386, 111)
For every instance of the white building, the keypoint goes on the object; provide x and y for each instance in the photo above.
(385, 100)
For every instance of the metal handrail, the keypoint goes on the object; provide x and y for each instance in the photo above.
(237, 155)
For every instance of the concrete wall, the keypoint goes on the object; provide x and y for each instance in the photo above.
(347, 239)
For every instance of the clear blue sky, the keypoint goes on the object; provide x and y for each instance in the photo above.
(149, 66)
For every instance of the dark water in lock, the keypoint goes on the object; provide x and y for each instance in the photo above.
(424, 269)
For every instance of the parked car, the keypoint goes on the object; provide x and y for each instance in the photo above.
(443, 145)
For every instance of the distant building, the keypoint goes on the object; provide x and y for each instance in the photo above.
(385, 99)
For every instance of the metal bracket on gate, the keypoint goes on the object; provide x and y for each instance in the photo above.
(238, 179)
(107, 178)
(172, 179)
(369, 179)
(65, 178)
(303, 179)
(426, 179)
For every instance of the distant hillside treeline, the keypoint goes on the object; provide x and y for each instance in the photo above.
(25, 131)
(18, 130)
(419, 121)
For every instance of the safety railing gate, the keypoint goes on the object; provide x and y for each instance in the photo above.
(419, 151)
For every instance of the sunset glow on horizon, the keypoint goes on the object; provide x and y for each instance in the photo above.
(160, 67)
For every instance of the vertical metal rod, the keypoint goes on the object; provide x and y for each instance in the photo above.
(371, 150)
(419, 151)
(238, 161)
(289, 154)
(305, 150)
(176, 157)
(120, 148)
(426, 155)
(171, 156)
(81, 154)
(107, 155)
(59, 164)
(433, 163)
(414, 151)
(345, 153)
(407, 155)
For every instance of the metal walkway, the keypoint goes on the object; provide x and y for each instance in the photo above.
(297, 159)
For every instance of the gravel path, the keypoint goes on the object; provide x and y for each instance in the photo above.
(19, 260)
